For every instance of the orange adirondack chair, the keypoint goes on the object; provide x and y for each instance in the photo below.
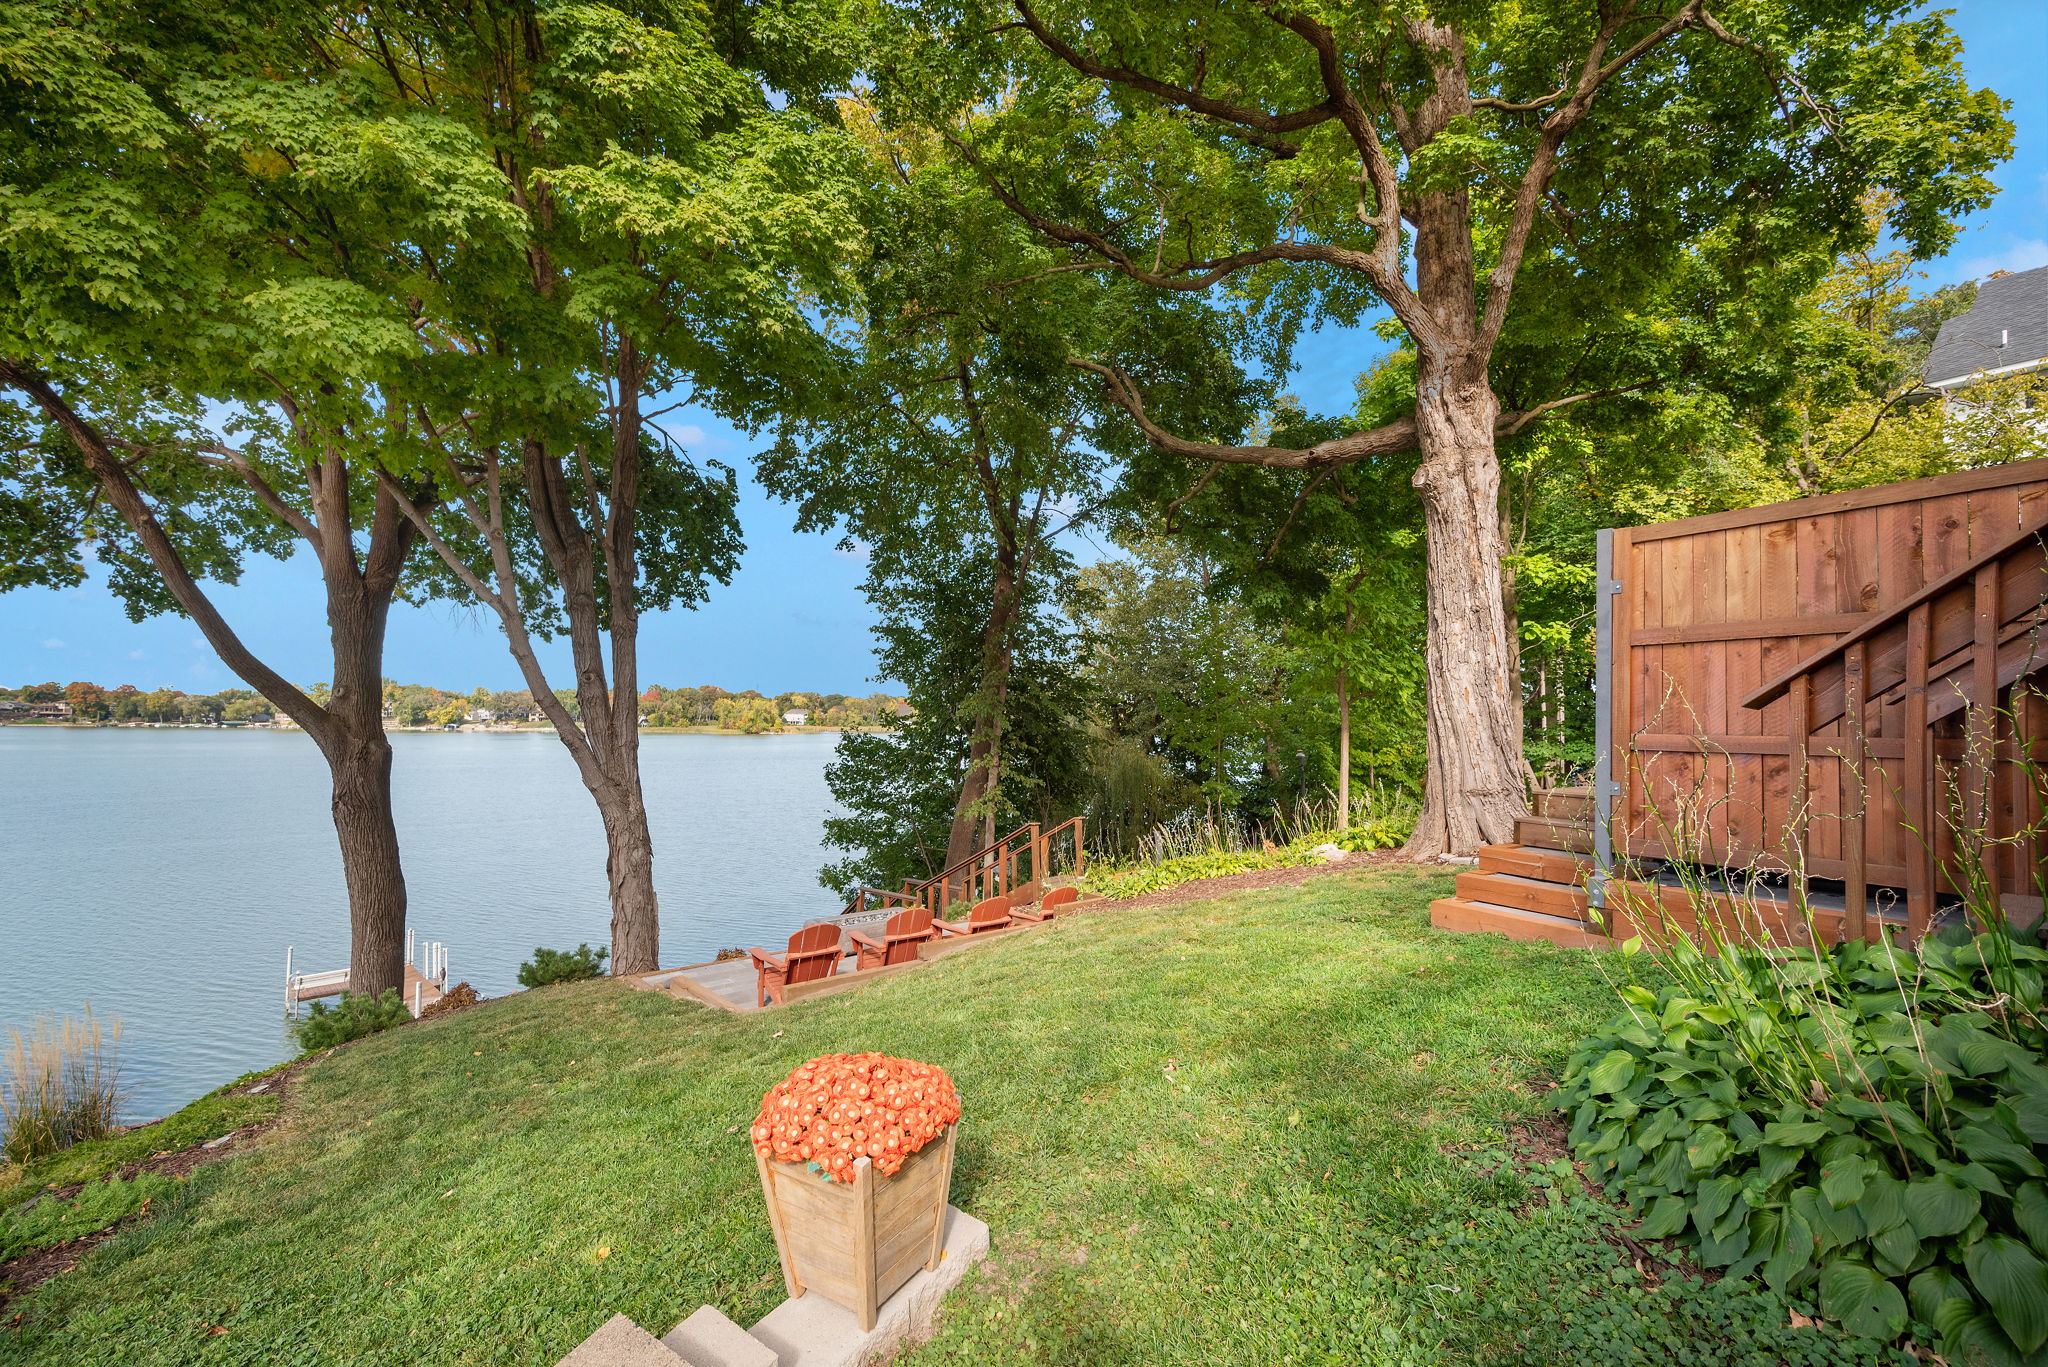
(990, 914)
(813, 953)
(1049, 906)
(901, 935)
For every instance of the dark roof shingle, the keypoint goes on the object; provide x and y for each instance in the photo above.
(2013, 308)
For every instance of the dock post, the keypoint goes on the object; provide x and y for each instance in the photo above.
(290, 1005)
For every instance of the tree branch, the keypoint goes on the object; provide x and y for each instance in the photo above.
(126, 499)
(1593, 73)
(1387, 439)
(1266, 126)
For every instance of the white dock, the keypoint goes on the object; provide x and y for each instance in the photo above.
(423, 986)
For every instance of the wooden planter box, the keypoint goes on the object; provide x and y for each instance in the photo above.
(856, 1243)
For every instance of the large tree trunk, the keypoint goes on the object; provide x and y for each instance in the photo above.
(1474, 789)
(974, 813)
(359, 761)
(349, 729)
(629, 867)
(361, 768)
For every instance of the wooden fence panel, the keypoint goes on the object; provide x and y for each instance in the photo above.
(1711, 609)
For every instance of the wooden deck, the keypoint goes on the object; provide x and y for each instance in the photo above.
(730, 986)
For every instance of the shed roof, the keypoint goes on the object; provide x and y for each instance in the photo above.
(2005, 331)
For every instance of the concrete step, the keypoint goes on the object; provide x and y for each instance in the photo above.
(1457, 914)
(1527, 894)
(709, 1339)
(619, 1342)
(1551, 833)
(1548, 866)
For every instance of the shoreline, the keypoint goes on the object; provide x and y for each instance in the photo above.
(471, 729)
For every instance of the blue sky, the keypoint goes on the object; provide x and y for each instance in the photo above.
(793, 617)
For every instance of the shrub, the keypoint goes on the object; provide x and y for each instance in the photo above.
(59, 1084)
(1865, 1124)
(358, 1014)
(562, 965)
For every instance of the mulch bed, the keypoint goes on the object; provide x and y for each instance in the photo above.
(37, 1266)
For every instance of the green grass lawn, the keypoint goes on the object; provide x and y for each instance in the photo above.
(1264, 1129)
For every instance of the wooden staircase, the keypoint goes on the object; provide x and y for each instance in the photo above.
(1021, 867)
(1535, 888)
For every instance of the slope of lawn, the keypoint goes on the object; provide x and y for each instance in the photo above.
(1263, 1129)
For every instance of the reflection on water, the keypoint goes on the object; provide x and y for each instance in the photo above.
(160, 874)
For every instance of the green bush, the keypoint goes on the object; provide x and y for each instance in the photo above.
(1137, 879)
(1864, 1125)
(97, 1205)
(1378, 833)
(562, 965)
(359, 1014)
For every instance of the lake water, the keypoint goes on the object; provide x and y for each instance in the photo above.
(160, 874)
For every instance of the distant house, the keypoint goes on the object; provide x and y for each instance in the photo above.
(796, 716)
(2004, 333)
(11, 710)
(904, 709)
(483, 714)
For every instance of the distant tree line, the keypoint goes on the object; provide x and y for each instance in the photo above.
(423, 705)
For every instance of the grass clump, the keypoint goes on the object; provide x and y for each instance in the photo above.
(97, 1205)
(562, 966)
(207, 1118)
(358, 1014)
(60, 1084)
(1292, 1107)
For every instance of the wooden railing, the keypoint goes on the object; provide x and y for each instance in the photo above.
(1955, 646)
(1015, 865)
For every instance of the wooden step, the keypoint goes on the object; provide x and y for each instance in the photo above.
(1565, 804)
(1527, 894)
(1551, 833)
(1549, 866)
(1461, 915)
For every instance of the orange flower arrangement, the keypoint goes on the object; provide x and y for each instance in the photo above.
(839, 1108)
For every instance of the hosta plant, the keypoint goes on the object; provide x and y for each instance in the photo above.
(1863, 1125)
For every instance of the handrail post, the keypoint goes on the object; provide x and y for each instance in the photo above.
(1799, 819)
(1980, 749)
(1856, 884)
(1919, 779)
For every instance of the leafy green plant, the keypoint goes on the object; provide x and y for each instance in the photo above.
(562, 965)
(357, 1015)
(1376, 834)
(98, 1204)
(1864, 1124)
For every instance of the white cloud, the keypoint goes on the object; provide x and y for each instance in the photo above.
(52, 643)
(2022, 254)
(689, 434)
(138, 654)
